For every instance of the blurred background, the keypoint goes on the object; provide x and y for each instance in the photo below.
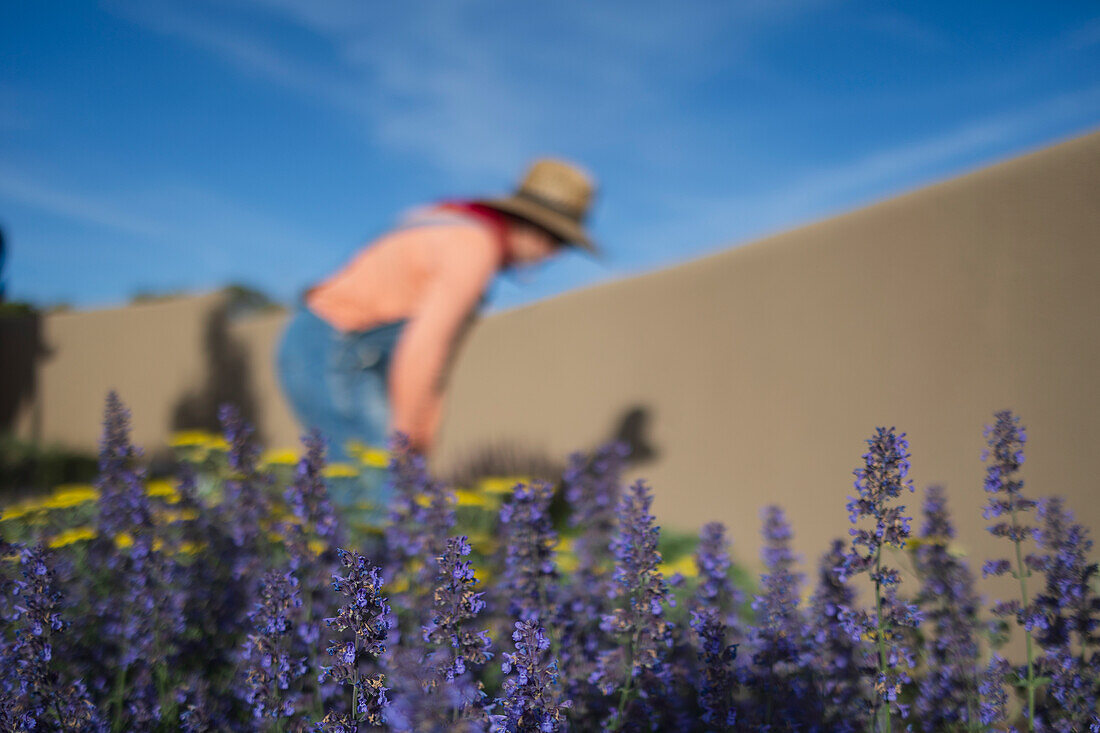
(819, 217)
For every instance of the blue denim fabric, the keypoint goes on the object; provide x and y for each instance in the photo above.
(336, 382)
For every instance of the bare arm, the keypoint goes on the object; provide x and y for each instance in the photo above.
(422, 351)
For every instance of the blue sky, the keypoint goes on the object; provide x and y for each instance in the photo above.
(150, 145)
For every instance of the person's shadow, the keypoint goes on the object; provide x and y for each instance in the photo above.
(507, 459)
(226, 380)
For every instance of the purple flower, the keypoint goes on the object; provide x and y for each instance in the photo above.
(716, 683)
(835, 663)
(993, 698)
(457, 651)
(33, 694)
(366, 614)
(245, 494)
(948, 691)
(1070, 636)
(140, 606)
(529, 583)
(638, 620)
(308, 495)
(270, 668)
(1005, 454)
(421, 518)
(591, 488)
(882, 478)
(779, 680)
(530, 702)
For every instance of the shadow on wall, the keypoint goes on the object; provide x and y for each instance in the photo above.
(509, 459)
(21, 349)
(227, 380)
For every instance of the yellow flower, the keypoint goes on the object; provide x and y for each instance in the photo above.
(123, 540)
(567, 563)
(190, 548)
(191, 439)
(368, 455)
(316, 546)
(684, 565)
(482, 542)
(470, 498)
(22, 509)
(217, 442)
(565, 544)
(163, 487)
(340, 470)
(69, 536)
(70, 495)
(284, 457)
(400, 585)
(375, 458)
(186, 515)
(502, 484)
(275, 536)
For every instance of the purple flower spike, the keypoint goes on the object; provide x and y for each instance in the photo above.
(1070, 635)
(270, 669)
(530, 578)
(366, 614)
(887, 660)
(947, 693)
(530, 703)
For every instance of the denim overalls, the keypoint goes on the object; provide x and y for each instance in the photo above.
(337, 382)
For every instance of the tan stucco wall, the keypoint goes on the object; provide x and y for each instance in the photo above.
(765, 367)
(762, 369)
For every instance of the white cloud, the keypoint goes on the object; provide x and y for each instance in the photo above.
(476, 88)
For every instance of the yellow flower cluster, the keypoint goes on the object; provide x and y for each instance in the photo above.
(501, 484)
(369, 455)
(65, 496)
(684, 565)
(200, 440)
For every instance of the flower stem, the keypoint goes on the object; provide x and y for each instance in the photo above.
(1022, 574)
(878, 630)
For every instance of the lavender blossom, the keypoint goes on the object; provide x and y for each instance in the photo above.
(779, 679)
(457, 651)
(591, 487)
(269, 667)
(835, 662)
(530, 702)
(367, 615)
(32, 690)
(882, 478)
(1006, 440)
(1071, 606)
(993, 708)
(716, 683)
(947, 694)
(245, 493)
(712, 559)
(308, 495)
(421, 518)
(641, 594)
(142, 611)
(529, 583)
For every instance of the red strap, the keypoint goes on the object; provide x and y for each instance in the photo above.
(495, 219)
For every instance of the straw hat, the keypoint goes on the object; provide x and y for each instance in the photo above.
(555, 195)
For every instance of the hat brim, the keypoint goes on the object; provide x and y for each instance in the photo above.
(567, 229)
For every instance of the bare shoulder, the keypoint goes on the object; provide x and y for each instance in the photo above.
(469, 245)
